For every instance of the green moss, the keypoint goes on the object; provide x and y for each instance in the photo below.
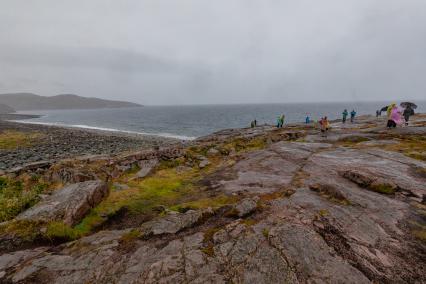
(418, 228)
(131, 236)
(165, 187)
(15, 197)
(323, 212)
(265, 233)
(249, 222)
(382, 188)
(15, 139)
(24, 229)
(413, 146)
(244, 144)
(213, 202)
(61, 231)
(167, 164)
(353, 139)
(91, 221)
(208, 250)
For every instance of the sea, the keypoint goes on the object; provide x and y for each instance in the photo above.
(187, 122)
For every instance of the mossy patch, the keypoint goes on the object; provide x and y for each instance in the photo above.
(166, 187)
(249, 222)
(245, 144)
(353, 139)
(413, 146)
(213, 202)
(26, 230)
(14, 139)
(299, 178)
(131, 236)
(418, 230)
(18, 195)
(323, 212)
(60, 231)
(330, 192)
(420, 234)
(208, 248)
(385, 188)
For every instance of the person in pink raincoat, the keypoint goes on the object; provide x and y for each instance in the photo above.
(395, 117)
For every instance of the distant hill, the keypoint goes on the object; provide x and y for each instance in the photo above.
(6, 109)
(29, 101)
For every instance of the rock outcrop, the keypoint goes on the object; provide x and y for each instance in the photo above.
(174, 222)
(69, 204)
(335, 210)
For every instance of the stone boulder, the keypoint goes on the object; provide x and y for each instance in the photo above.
(204, 163)
(212, 152)
(246, 206)
(69, 204)
(174, 222)
(371, 182)
(66, 175)
(328, 190)
(146, 166)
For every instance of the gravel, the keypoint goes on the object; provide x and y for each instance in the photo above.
(60, 143)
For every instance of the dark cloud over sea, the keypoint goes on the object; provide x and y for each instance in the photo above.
(200, 51)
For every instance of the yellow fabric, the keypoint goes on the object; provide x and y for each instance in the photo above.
(390, 107)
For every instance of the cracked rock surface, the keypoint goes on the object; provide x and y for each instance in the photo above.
(331, 228)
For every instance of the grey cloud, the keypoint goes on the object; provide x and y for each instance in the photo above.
(200, 51)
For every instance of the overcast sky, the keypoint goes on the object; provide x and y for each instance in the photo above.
(221, 51)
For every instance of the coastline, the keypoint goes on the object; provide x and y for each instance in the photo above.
(24, 142)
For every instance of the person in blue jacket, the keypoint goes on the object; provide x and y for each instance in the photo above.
(353, 113)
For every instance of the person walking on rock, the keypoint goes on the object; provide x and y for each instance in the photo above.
(345, 114)
(353, 113)
(394, 116)
(325, 126)
(280, 121)
(408, 111)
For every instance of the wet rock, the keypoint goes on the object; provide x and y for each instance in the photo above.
(310, 254)
(66, 175)
(246, 206)
(329, 190)
(203, 164)
(368, 181)
(174, 223)
(9, 260)
(146, 166)
(69, 204)
(212, 152)
(360, 178)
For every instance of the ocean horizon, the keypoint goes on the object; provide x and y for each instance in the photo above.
(187, 122)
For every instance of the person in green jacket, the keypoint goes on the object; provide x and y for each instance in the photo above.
(345, 114)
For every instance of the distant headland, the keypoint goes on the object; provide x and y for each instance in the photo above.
(29, 101)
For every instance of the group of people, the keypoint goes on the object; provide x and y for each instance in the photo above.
(395, 115)
(345, 115)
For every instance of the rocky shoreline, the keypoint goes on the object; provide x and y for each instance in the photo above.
(52, 143)
(253, 205)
